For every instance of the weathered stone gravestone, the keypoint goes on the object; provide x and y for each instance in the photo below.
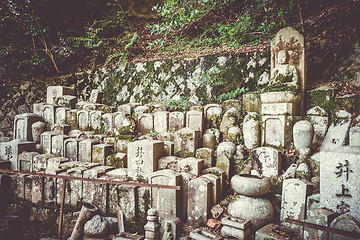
(57, 145)
(22, 125)
(277, 131)
(195, 120)
(191, 165)
(60, 115)
(266, 161)
(71, 118)
(288, 56)
(161, 121)
(66, 101)
(176, 121)
(142, 157)
(198, 202)
(207, 154)
(37, 129)
(186, 141)
(214, 189)
(320, 121)
(293, 201)
(46, 141)
(251, 131)
(96, 96)
(213, 113)
(56, 91)
(94, 119)
(61, 128)
(318, 216)
(108, 119)
(169, 199)
(339, 181)
(26, 162)
(231, 118)
(119, 118)
(303, 132)
(345, 222)
(83, 120)
(337, 132)
(49, 114)
(145, 122)
(100, 153)
(86, 150)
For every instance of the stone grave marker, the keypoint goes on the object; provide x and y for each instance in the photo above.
(337, 132)
(46, 141)
(56, 91)
(216, 132)
(76, 186)
(26, 162)
(37, 189)
(59, 187)
(83, 120)
(224, 163)
(67, 101)
(49, 114)
(176, 121)
(185, 179)
(100, 153)
(266, 161)
(168, 162)
(54, 163)
(293, 202)
(207, 154)
(57, 145)
(320, 121)
(61, 128)
(41, 162)
(215, 188)
(118, 160)
(96, 96)
(37, 129)
(191, 165)
(345, 222)
(71, 118)
(213, 113)
(38, 108)
(169, 199)
(9, 151)
(143, 156)
(94, 119)
(235, 228)
(161, 121)
(126, 201)
(22, 125)
(198, 202)
(219, 173)
(277, 131)
(109, 122)
(119, 118)
(195, 120)
(145, 122)
(318, 216)
(186, 142)
(209, 140)
(71, 149)
(251, 134)
(231, 118)
(303, 132)
(60, 115)
(86, 150)
(339, 181)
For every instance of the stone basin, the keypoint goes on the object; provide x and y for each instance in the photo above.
(280, 97)
(250, 185)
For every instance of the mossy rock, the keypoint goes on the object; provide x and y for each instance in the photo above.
(322, 97)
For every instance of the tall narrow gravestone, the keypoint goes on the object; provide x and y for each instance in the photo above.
(293, 202)
(56, 91)
(339, 180)
(169, 199)
(142, 157)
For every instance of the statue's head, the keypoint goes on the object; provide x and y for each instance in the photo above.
(283, 57)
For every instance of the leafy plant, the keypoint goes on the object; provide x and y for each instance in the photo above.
(103, 128)
(182, 104)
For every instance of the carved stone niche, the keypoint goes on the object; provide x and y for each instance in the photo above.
(288, 54)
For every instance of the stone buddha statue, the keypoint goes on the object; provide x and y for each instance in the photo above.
(284, 76)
